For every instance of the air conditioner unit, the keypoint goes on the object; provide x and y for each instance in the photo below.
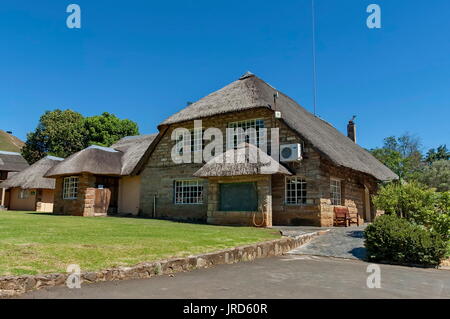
(290, 152)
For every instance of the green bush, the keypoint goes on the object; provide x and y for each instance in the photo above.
(394, 239)
(418, 205)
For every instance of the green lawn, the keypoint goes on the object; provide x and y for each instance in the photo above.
(32, 243)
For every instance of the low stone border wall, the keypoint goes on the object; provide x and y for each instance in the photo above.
(445, 263)
(15, 285)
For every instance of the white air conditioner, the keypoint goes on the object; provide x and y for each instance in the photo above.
(290, 152)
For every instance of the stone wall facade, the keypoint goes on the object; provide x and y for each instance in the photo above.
(83, 205)
(160, 173)
(260, 218)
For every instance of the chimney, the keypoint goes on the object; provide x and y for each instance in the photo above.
(351, 129)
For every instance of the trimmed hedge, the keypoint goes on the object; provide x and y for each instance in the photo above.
(394, 239)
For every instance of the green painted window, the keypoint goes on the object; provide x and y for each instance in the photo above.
(240, 197)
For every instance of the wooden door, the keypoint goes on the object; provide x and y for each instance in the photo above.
(102, 201)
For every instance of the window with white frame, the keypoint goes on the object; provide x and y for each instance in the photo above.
(295, 191)
(336, 191)
(252, 136)
(70, 187)
(24, 194)
(188, 192)
(194, 136)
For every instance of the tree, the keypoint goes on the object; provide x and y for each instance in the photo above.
(59, 133)
(407, 144)
(392, 159)
(436, 175)
(62, 133)
(442, 153)
(106, 129)
(402, 155)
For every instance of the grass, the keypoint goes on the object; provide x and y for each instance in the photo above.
(34, 243)
(9, 143)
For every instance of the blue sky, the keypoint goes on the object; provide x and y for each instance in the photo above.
(143, 60)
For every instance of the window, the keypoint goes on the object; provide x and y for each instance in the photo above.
(70, 188)
(295, 191)
(238, 197)
(245, 136)
(24, 194)
(196, 137)
(336, 191)
(188, 192)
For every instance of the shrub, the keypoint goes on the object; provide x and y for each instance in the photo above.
(418, 205)
(394, 239)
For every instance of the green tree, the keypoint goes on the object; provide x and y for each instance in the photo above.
(62, 133)
(436, 175)
(106, 129)
(433, 155)
(59, 133)
(392, 159)
(402, 155)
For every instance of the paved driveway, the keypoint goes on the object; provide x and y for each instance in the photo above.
(342, 242)
(289, 277)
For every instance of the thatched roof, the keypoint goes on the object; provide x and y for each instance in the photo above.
(33, 176)
(12, 162)
(250, 92)
(133, 148)
(117, 160)
(246, 160)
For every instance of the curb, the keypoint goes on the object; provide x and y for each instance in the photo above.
(17, 285)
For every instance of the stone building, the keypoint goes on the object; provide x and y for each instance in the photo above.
(28, 190)
(98, 181)
(330, 169)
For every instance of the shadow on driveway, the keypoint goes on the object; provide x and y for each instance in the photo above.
(341, 242)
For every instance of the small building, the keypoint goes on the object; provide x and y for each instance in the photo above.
(29, 190)
(98, 181)
(10, 162)
(326, 170)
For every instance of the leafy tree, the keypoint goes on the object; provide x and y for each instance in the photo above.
(436, 175)
(402, 155)
(106, 129)
(62, 133)
(394, 160)
(59, 133)
(407, 144)
(442, 153)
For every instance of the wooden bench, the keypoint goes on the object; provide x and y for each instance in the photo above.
(342, 217)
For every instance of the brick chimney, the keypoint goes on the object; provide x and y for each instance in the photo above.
(351, 129)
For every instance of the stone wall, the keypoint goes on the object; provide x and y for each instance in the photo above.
(160, 173)
(261, 218)
(83, 205)
(16, 285)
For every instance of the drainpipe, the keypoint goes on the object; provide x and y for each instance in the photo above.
(154, 205)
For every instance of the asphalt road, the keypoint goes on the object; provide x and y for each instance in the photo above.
(280, 277)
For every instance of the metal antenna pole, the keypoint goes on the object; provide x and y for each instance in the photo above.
(314, 55)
